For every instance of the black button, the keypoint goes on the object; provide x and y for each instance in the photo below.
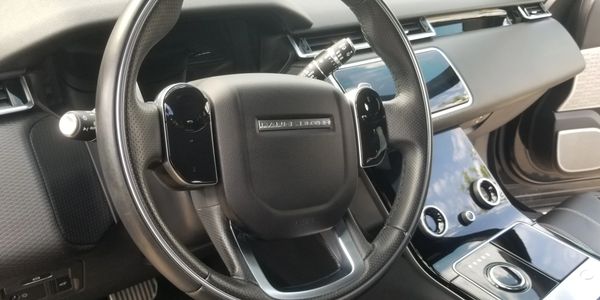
(30, 293)
(466, 217)
(63, 284)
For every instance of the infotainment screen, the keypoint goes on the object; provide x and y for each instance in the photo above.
(444, 85)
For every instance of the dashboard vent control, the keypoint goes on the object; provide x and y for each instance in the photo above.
(14, 96)
(467, 217)
(433, 221)
(486, 193)
(309, 46)
(534, 11)
(417, 29)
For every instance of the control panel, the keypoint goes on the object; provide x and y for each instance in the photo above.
(463, 195)
(525, 262)
(57, 283)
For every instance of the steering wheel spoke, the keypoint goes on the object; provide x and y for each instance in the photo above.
(343, 248)
(218, 229)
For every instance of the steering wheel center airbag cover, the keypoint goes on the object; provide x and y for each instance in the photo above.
(287, 152)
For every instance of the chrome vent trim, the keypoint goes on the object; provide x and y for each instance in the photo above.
(425, 29)
(476, 14)
(16, 103)
(304, 49)
(533, 11)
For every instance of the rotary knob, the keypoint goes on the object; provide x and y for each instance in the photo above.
(486, 193)
(433, 221)
(507, 277)
(467, 217)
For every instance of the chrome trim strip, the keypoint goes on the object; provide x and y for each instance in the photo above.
(38, 279)
(526, 15)
(494, 12)
(435, 114)
(28, 96)
(363, 46)
(167, 159)
(123, 150)
(339, 237)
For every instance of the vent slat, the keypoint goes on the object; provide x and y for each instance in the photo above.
(13, 96)
(4, 100)
(534, 11)
(3, 93)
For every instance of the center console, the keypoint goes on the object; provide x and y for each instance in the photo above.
(470, 236)
(474, 239)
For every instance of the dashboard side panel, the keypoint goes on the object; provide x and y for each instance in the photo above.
(77, 198)
(30, 235)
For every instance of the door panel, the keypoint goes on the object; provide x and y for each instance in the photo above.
(552, 151)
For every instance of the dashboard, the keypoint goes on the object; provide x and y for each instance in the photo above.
(483, 62)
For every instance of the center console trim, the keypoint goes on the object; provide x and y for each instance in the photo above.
(489, 241)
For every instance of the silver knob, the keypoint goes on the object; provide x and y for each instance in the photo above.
(78, 125)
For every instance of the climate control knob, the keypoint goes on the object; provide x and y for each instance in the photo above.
(486, 193)
(433, 221)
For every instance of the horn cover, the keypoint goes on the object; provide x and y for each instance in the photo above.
(287, 152)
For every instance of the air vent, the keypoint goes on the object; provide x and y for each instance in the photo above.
(534, 11)
(310, 45)
(417, 29)
(14, 96)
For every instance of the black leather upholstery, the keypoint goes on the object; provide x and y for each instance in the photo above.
(577, 220)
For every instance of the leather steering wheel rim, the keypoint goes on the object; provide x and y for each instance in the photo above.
(129, 142)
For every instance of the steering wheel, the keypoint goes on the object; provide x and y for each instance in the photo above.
(285, 153)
